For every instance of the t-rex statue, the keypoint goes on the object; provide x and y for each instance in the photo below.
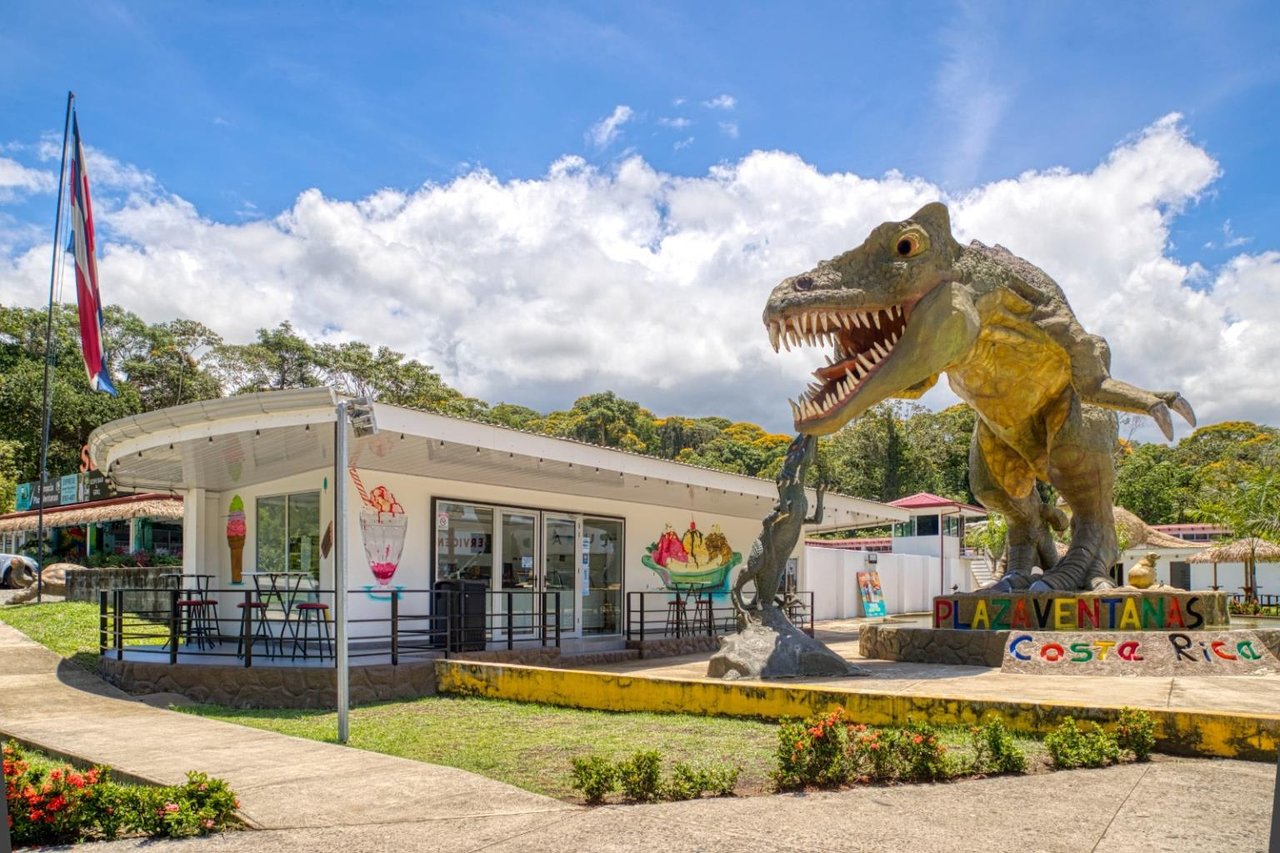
(911, 303)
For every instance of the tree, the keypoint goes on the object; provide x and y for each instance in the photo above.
(1248, 506)
(278, 360)
(1153, 486)
(77, 410)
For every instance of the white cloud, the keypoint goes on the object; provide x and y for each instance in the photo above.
(729, 129)
(683, 143)
(677, 123)
(651, 284)
(17, 180)
(603, 133)
(721, 102)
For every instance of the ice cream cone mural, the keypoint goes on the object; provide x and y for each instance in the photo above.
(383, 524)
(235, 538)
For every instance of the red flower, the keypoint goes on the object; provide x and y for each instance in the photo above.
(918, 739)
(75, 780)
(56, 803)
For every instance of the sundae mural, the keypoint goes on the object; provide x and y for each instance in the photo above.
(383, 525)
(693, 559)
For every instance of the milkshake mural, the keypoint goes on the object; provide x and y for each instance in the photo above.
(693, 559)
(383, 525)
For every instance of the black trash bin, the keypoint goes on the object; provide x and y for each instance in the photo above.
(460, 606)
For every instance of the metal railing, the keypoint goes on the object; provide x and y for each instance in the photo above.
(244, 626)
(666, 614)
(1249, 604)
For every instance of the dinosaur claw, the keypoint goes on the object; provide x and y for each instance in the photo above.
(1160, 414)
(1180, 405)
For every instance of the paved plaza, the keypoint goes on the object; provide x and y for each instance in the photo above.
(303, 795)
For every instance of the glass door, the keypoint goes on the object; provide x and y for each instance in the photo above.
(560, 569)
(518, 560)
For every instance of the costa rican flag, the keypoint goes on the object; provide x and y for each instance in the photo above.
(87, 297)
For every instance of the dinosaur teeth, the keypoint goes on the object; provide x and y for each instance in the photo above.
(865, 362)
(875, 317)
(880, 349)
(775, 332)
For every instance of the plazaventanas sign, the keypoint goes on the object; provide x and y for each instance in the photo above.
(1129, 653)
(1118, 611)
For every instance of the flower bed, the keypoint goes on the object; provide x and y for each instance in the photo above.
(53, 803)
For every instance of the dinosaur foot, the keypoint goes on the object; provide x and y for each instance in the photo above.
(1010, 582)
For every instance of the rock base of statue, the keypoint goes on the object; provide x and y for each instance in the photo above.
(774, 648)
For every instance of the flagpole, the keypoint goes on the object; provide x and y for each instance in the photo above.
(47, 410)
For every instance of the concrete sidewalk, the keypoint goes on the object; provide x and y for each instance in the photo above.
(283, 782)
(306, 795)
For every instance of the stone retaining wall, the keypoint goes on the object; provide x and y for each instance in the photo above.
(932, 645)
(85, 584)
(672, 646)
(272, 687)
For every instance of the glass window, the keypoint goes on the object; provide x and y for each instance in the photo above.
(288, 533)
(926, 525)
(951, 525)
(464, 549)
(903, 529)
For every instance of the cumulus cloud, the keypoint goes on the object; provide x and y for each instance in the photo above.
(17, 180)
(603, 133)
(651, 284)
(721, 102)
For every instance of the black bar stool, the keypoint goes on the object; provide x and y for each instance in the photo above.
(312, 613)
(253, 623)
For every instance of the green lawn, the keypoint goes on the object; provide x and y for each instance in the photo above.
(527, 745)
(524, 744)
(69, 628)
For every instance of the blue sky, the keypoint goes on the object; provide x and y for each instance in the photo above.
(239, 109)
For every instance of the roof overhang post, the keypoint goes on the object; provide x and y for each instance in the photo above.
(193, 556)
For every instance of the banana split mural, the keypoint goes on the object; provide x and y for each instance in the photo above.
(693, 559)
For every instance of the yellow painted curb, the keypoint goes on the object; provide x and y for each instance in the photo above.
(1252, 737)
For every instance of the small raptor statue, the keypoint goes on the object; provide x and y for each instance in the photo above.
(779, 534)
(910, 304)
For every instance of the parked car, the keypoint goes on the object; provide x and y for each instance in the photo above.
(16, 571)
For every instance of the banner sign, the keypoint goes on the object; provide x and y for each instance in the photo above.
(1138, 653)
(870, 593)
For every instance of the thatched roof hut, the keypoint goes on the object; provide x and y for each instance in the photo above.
(1142, 535)
(1240, 551)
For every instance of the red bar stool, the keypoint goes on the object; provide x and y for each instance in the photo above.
(312, 613)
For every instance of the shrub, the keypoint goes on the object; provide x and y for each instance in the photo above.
(689, 783)
(813, 752)
(1136, 733)
(994, 750)
(595, 776)
(923, 757)
(640, 776)
(51, 804)
(1070, 746)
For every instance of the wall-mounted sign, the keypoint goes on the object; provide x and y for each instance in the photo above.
(586, 566)
(69, 489)
(97, 487)
(23, 496)
(442, 521)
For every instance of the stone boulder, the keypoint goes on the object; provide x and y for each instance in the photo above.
(762, 651)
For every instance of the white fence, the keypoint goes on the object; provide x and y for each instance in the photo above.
(909, 582)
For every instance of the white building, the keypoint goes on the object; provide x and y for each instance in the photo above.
(436, 499)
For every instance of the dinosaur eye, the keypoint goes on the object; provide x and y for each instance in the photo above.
(912, 243)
